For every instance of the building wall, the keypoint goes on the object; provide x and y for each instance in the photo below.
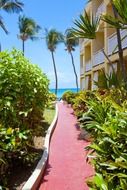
(92, 58)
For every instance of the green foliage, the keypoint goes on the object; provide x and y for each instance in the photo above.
(69, 97)
(106, 119)
(53, 38)
(70, 41)
(28, 28)
(23, 91)
(86, 28)
(121, 21)
(107, 81)
(79, 105)
(51, 100)
(23, 97)
(9, 7)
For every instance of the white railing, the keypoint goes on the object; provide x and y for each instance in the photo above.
(81, 70)
(112, 42)
(98, 58)
(88, 65)
(101, 9)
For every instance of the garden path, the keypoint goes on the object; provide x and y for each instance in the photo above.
(67, 167)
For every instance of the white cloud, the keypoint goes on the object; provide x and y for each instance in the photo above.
(64, 79)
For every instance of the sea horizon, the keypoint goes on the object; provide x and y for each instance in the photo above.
(61, 91)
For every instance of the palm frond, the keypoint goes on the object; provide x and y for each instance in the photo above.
(70, 40)
(121, 7)
(53, 38)
(3, 26)
(11, 6)
(121, 21)
(85, 27)
(113, 22)
(28, 28)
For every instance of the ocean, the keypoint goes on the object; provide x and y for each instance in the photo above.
(61, 91)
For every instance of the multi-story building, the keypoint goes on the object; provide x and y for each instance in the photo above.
(92, 58)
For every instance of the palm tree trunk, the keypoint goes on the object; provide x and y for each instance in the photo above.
(120, 50)
(76, 77)
(54, 65)
(109, 61)
(23, 46)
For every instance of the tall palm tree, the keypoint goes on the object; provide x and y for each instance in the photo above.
(53, 38)
(28, 29)
(9, 6)
(71, 42)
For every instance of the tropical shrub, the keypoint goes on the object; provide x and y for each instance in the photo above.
(23, 91)
(23, 97)
(69, 97)
(107, 120)
(107, 81)
(51, 100)
(79, 105)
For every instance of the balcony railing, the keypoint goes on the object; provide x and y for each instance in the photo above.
(98, 57)
(101, 9)
(88, 65)
(82, 71)
(112, 42)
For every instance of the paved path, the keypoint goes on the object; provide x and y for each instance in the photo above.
(67, 167)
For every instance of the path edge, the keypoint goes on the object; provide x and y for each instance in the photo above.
(34, 180)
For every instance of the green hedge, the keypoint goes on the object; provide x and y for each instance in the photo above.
(23, 97)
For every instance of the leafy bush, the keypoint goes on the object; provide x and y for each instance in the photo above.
(23, 96)
(108, 122)
(79, 105)
(107, 81)
(51, 100)
(23, 91)
(69, 97)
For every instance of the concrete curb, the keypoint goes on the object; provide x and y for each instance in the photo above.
(34, 180)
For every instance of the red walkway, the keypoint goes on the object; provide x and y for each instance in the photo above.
(67, 167)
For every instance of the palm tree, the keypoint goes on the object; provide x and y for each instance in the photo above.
(87, 28)
(28, 29)
(118, 21)
(71, 42)
(9, 6)
(53, 38)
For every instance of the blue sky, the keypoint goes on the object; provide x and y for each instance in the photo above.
(48, 14)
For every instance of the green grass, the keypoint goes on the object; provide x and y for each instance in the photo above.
(49, 115)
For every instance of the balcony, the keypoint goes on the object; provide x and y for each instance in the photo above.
(112, 42)
(101, 9)
(82, 42)
(98, 58)
(81, 71)
(88, 65)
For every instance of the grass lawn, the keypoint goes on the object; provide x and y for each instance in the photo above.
(49, 115)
